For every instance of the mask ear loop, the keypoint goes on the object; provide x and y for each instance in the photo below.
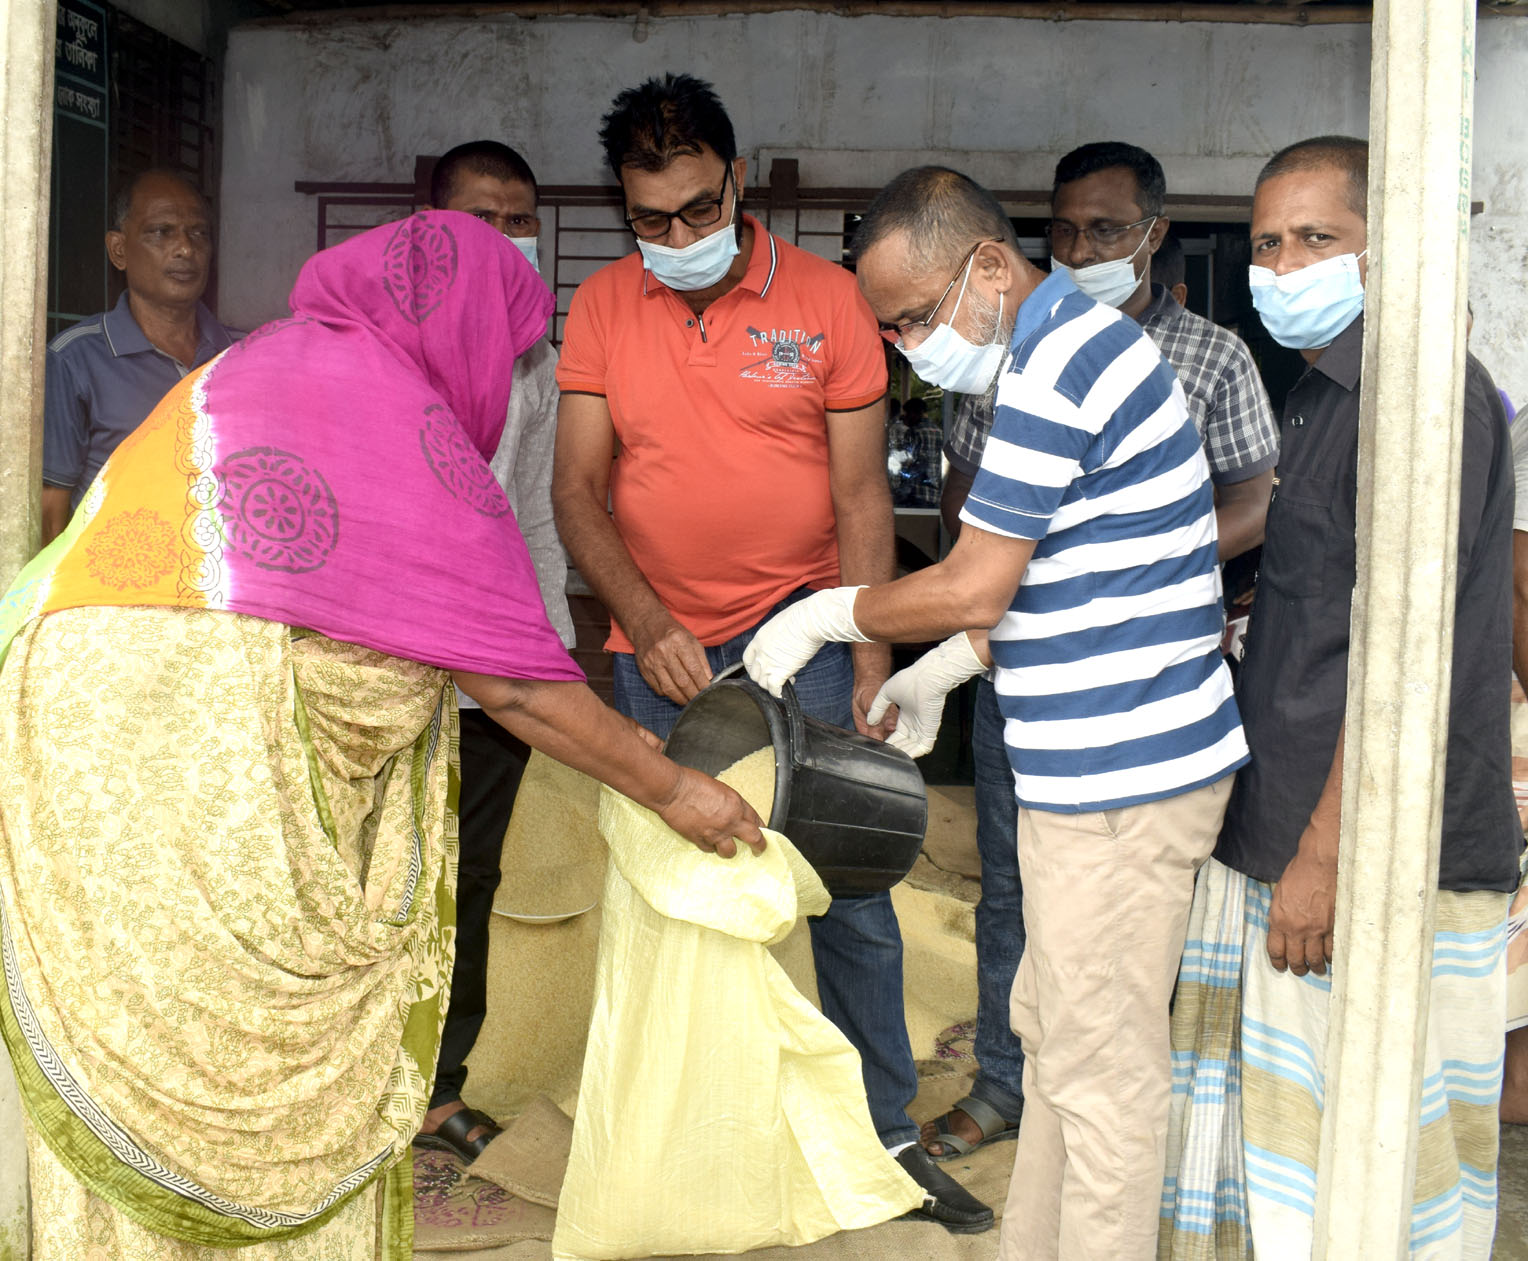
(960, 297)
(737, 200)
(1144, 239)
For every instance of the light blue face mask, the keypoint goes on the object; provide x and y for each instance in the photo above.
(530, 247)
(698, 265)
(1306, 309)
(948, 360)
(1110, 282)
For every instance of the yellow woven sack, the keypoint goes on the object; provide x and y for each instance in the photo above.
(719, 1110)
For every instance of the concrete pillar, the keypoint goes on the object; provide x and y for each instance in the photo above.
(1403, 615)
(15, 1220)
(26, 135)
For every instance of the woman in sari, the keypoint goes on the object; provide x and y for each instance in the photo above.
(227, 772)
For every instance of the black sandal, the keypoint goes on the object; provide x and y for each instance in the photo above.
(451, 1134)
(994, 1127)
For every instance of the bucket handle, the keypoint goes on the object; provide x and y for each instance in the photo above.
(788, 693)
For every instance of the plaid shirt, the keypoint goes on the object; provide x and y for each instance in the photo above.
(1225, 396)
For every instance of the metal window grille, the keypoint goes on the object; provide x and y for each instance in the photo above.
(163, 112)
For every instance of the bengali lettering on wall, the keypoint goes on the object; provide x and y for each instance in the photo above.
(79, 60)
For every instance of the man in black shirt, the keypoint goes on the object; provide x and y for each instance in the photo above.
(1263, 916)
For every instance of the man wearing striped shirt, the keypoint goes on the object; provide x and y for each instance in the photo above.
(1107, 232)
(1090, 549)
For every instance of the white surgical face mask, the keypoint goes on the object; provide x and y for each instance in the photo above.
(529, 246)
(1112, 282)
(1306, 309)
(946, 359)
(698, 265)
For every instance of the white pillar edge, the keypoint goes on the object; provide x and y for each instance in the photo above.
(1403, 614)
(27, 32)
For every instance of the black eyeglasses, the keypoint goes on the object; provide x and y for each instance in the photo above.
(698, 214)
(1103, 235)
(895, 333)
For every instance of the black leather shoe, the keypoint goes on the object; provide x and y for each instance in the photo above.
(944, 1200)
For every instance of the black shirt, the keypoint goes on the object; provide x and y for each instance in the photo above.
(1292, 689)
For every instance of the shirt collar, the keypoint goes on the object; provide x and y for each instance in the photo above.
(1042, 298)
(1158, 305)
(125, 337)
(1342, 362)
(757, 276)
(122, 332)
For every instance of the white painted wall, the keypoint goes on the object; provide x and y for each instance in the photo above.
(1499, 237)
(855, 98)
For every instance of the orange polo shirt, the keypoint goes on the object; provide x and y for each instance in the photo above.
(720, 485)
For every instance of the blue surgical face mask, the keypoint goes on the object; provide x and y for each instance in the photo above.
(946, 359)
(529, 246)
(1306, 309)
(698, 265)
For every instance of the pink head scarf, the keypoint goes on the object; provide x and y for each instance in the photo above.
(351, 445)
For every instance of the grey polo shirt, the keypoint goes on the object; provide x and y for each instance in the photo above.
(103, 379)
(1292, 688)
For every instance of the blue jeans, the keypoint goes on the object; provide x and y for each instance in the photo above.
(999, 914)
(857, 945)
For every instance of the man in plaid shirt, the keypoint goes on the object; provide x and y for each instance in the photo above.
(1107, 221)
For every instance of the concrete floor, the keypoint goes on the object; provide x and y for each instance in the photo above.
(1512, 1218)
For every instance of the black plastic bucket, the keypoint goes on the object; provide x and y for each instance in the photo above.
(855, 807)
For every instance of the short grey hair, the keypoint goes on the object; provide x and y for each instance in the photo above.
(942, 213)
(122, 202)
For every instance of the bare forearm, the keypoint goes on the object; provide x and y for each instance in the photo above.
(867, 556)
(1240, 529)
(970, 589)
(1241, 512)
(55, 512)
(1320, 837)
(1303, 909)
(569, 722)
(952, 498)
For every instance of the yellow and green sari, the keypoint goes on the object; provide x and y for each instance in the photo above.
(227, 903)
(227, 867)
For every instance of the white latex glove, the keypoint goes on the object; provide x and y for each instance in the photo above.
(919, 692)
(793, 636)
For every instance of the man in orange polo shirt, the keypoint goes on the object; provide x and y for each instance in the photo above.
(723, 392)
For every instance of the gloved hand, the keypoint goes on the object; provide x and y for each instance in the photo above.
(919, 692)
(792, 636)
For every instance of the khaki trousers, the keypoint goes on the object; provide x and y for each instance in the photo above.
(1106, 901)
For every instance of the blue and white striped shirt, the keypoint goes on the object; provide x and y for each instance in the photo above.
(1109, 673)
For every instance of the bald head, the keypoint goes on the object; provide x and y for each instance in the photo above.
(940, 213)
